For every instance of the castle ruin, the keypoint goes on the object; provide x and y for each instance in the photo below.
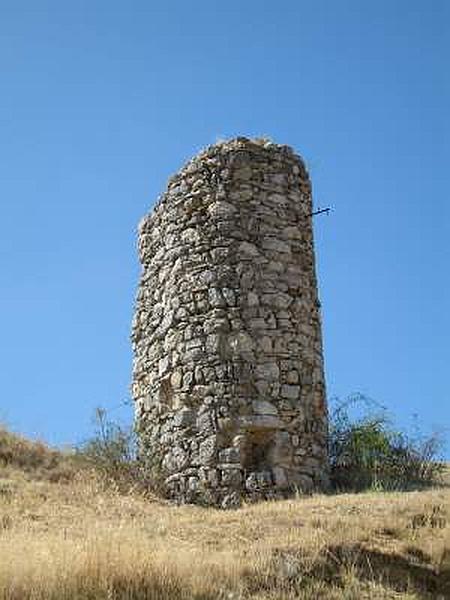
(228, 378)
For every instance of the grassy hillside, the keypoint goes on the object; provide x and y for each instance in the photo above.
(64, 535)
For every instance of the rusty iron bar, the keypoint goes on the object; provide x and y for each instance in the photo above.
(319, 211)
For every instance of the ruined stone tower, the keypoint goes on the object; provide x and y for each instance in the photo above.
(228, 376)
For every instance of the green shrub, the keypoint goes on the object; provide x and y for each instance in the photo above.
(113, 453)
(367, 452)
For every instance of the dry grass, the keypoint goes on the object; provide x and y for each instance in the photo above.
(68, 537)
(34, 460)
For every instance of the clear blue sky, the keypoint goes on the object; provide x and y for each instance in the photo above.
(101, 101)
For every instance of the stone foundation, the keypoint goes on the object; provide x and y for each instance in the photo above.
(228, 378)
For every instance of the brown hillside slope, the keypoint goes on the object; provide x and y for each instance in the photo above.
(66, 537)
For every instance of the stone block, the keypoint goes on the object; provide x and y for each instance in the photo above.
(208, 450)
(184, 417)
(231, 477)
(229, 455)
(267, 371)
(260, 422)
(262, 407)
(291, 392)
(231, 500)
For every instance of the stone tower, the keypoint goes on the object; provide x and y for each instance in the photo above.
(228, 378)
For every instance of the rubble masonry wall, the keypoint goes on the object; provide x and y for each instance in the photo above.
(228, 378)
